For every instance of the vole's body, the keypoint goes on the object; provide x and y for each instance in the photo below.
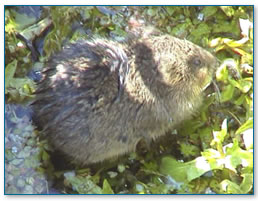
(98, 98)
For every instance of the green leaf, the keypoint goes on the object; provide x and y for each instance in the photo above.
(247, 58)
(181, 30)
(22, 20)
(189, 149)
(205, 136)
(45, 156)
(202, 29)
(121, 168)
(17, 88)
(244, 188)
(209, 11)
(197, 168)
(119, 31)
(247, 125)
(106, 189)
(171, 9)
(9, 73)
(34, 30)
(233, 43)
(219, 136)
(20, 82)
(11, 26)
(227, 93)
(228, 10)
(230, 187)
(184, 172)
(214, 158)
(243, 85)
(223, 26)
(247, 183)
(222, 73)
(86, 14)
(240, 100)
(177, 170)
(151, 12)
(237, 156)
(82, 185)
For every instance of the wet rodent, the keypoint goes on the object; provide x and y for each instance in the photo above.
(98, 98)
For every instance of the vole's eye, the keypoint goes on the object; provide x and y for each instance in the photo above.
(197, 62)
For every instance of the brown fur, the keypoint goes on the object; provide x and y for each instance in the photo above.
(98, 98)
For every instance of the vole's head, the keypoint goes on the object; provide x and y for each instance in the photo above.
(182, 64)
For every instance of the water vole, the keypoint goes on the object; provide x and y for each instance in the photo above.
(99, 98)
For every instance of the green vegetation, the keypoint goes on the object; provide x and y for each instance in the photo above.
(211, 153)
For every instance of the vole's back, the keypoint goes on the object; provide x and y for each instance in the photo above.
(98, 98)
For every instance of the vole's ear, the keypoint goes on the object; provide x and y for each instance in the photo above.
(138, 29)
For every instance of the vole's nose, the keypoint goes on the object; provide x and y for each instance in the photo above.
(215, 63)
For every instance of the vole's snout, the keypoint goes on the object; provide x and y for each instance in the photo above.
(215, 63)
(213, 66)
(205, 72)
